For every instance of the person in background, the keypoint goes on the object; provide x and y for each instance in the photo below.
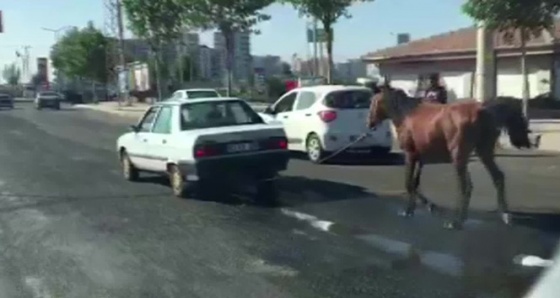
(435, 92)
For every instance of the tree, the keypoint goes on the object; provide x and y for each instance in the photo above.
(286, 69)
(327, 13)
(516, 18)
(81, 53)
(12, 74)
(158, 22)
(229, 17)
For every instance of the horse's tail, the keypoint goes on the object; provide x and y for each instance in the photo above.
(508, 116)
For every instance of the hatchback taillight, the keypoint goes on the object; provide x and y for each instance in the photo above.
(327, 116)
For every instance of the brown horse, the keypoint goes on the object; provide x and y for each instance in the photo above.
(430, 132)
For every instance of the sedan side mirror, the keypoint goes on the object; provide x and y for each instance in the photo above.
(134, 128)
(269, 110)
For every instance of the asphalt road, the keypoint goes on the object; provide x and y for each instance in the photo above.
(70, 226)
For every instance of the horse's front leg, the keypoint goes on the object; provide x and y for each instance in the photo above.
(411, 164)
(465, 191)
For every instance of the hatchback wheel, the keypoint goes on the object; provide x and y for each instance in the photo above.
(314, 149)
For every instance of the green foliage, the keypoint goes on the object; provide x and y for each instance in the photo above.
(81, 53)
(157, 22)
(327, 13)
(507, 16)
(12, 74)
(286, 69)
(276, 87)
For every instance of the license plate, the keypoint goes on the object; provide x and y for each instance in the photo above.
(241, 147)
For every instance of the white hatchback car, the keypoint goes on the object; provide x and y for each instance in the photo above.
(322, 119)
(204, 145)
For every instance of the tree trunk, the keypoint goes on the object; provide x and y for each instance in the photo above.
(524, 74)
(158, 75)
(329, 41)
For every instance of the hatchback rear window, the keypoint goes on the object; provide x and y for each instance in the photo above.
(348, 99)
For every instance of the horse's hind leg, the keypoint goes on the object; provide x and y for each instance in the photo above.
(411, 164)
(465, 190)
(498, 177)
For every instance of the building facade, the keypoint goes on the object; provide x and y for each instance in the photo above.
(242, 60)
(452, 56)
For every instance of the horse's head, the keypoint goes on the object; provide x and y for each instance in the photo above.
(378, 108)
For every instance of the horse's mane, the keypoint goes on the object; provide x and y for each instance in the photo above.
(399, 104)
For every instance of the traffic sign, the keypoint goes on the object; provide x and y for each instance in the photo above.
(1, 22)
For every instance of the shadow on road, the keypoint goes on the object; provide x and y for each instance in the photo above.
(539, 221)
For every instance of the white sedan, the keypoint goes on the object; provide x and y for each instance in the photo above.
(204, 145)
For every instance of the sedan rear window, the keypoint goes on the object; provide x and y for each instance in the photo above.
(202, 94)
(348, 99)
(217, 114)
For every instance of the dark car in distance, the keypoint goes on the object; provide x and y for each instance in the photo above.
(6, 101)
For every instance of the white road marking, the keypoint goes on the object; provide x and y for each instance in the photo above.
(315, 222)
(532, 261)
(260, 266)
(37, 287)
(440, 262)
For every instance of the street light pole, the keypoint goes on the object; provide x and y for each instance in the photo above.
(122, 62)
(484, 63)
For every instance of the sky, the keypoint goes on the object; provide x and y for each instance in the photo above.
(373, 26)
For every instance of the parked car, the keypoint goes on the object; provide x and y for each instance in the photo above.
(320, 120)
(6, 101)
(48, 99)
(204, 145)
(194, 94)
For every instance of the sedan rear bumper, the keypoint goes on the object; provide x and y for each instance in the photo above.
(262, 165)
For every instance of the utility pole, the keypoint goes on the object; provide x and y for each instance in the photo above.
(122, 62)
(485, 68)
(315, 49)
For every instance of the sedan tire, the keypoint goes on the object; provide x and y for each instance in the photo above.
(177, 181)
(130, 172)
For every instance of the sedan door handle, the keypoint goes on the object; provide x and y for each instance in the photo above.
(308, 114)
(144, 140)
(164, 141)
(285, 117)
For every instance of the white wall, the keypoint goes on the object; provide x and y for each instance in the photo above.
(458, 76)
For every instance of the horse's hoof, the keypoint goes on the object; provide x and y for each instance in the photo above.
(406, 213)
(507, 218)
(453, 225)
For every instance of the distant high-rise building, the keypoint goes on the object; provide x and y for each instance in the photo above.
(351, 70)
(242, 69)
(205, 55)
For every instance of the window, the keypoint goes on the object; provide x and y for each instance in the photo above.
(306, 99)
(148, 120)
(286, 103)
(202, 94)
(163, 121)
(217, 113)
(349, 99)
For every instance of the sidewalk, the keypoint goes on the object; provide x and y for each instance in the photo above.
(135, 111)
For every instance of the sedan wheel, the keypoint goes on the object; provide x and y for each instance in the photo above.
(178, 183)
(130, 173)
